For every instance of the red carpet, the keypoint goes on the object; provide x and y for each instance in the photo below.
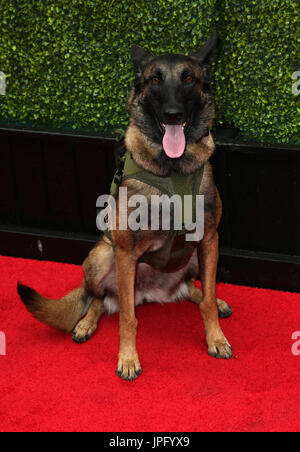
(49, 383)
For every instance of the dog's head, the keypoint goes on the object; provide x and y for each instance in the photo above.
(170, 102)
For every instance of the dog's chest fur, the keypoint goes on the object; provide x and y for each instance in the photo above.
(151, 285)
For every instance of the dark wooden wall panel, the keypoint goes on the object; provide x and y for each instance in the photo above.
(30, 188)
(261, 202)
(95, 172)
(61, 181)
(219, 163)
(8, 202)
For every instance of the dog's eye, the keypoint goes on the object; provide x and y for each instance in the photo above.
(155, 80)
(188, 79)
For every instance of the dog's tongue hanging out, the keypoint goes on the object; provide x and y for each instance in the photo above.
(174, 141)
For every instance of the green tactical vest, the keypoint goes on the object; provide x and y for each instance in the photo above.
(177, 184)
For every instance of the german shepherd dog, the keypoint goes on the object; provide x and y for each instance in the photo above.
(172, 112)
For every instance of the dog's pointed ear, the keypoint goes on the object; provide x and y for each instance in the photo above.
(205, 55)
(139, 59)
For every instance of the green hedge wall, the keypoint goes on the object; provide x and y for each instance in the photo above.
(260, 44)
(67, 61)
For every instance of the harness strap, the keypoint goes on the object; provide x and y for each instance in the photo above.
(175, 184)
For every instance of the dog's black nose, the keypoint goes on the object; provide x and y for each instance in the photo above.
(173, 117)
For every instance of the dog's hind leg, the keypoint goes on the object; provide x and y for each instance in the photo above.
(95, 268)
(224, 309)
(196, 296)
(88, 325)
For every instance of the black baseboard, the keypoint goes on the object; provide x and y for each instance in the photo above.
(254, 269)
(45, 245)
(257, 269)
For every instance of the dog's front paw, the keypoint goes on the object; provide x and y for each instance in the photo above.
(129, 368)
(220, 348)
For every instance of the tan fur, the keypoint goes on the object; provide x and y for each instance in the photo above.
(88, 325)
(144, 153)
(62, 314)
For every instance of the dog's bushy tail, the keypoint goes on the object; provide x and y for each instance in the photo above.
(63, 314)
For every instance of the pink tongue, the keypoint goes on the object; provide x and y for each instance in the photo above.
(174, 141)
